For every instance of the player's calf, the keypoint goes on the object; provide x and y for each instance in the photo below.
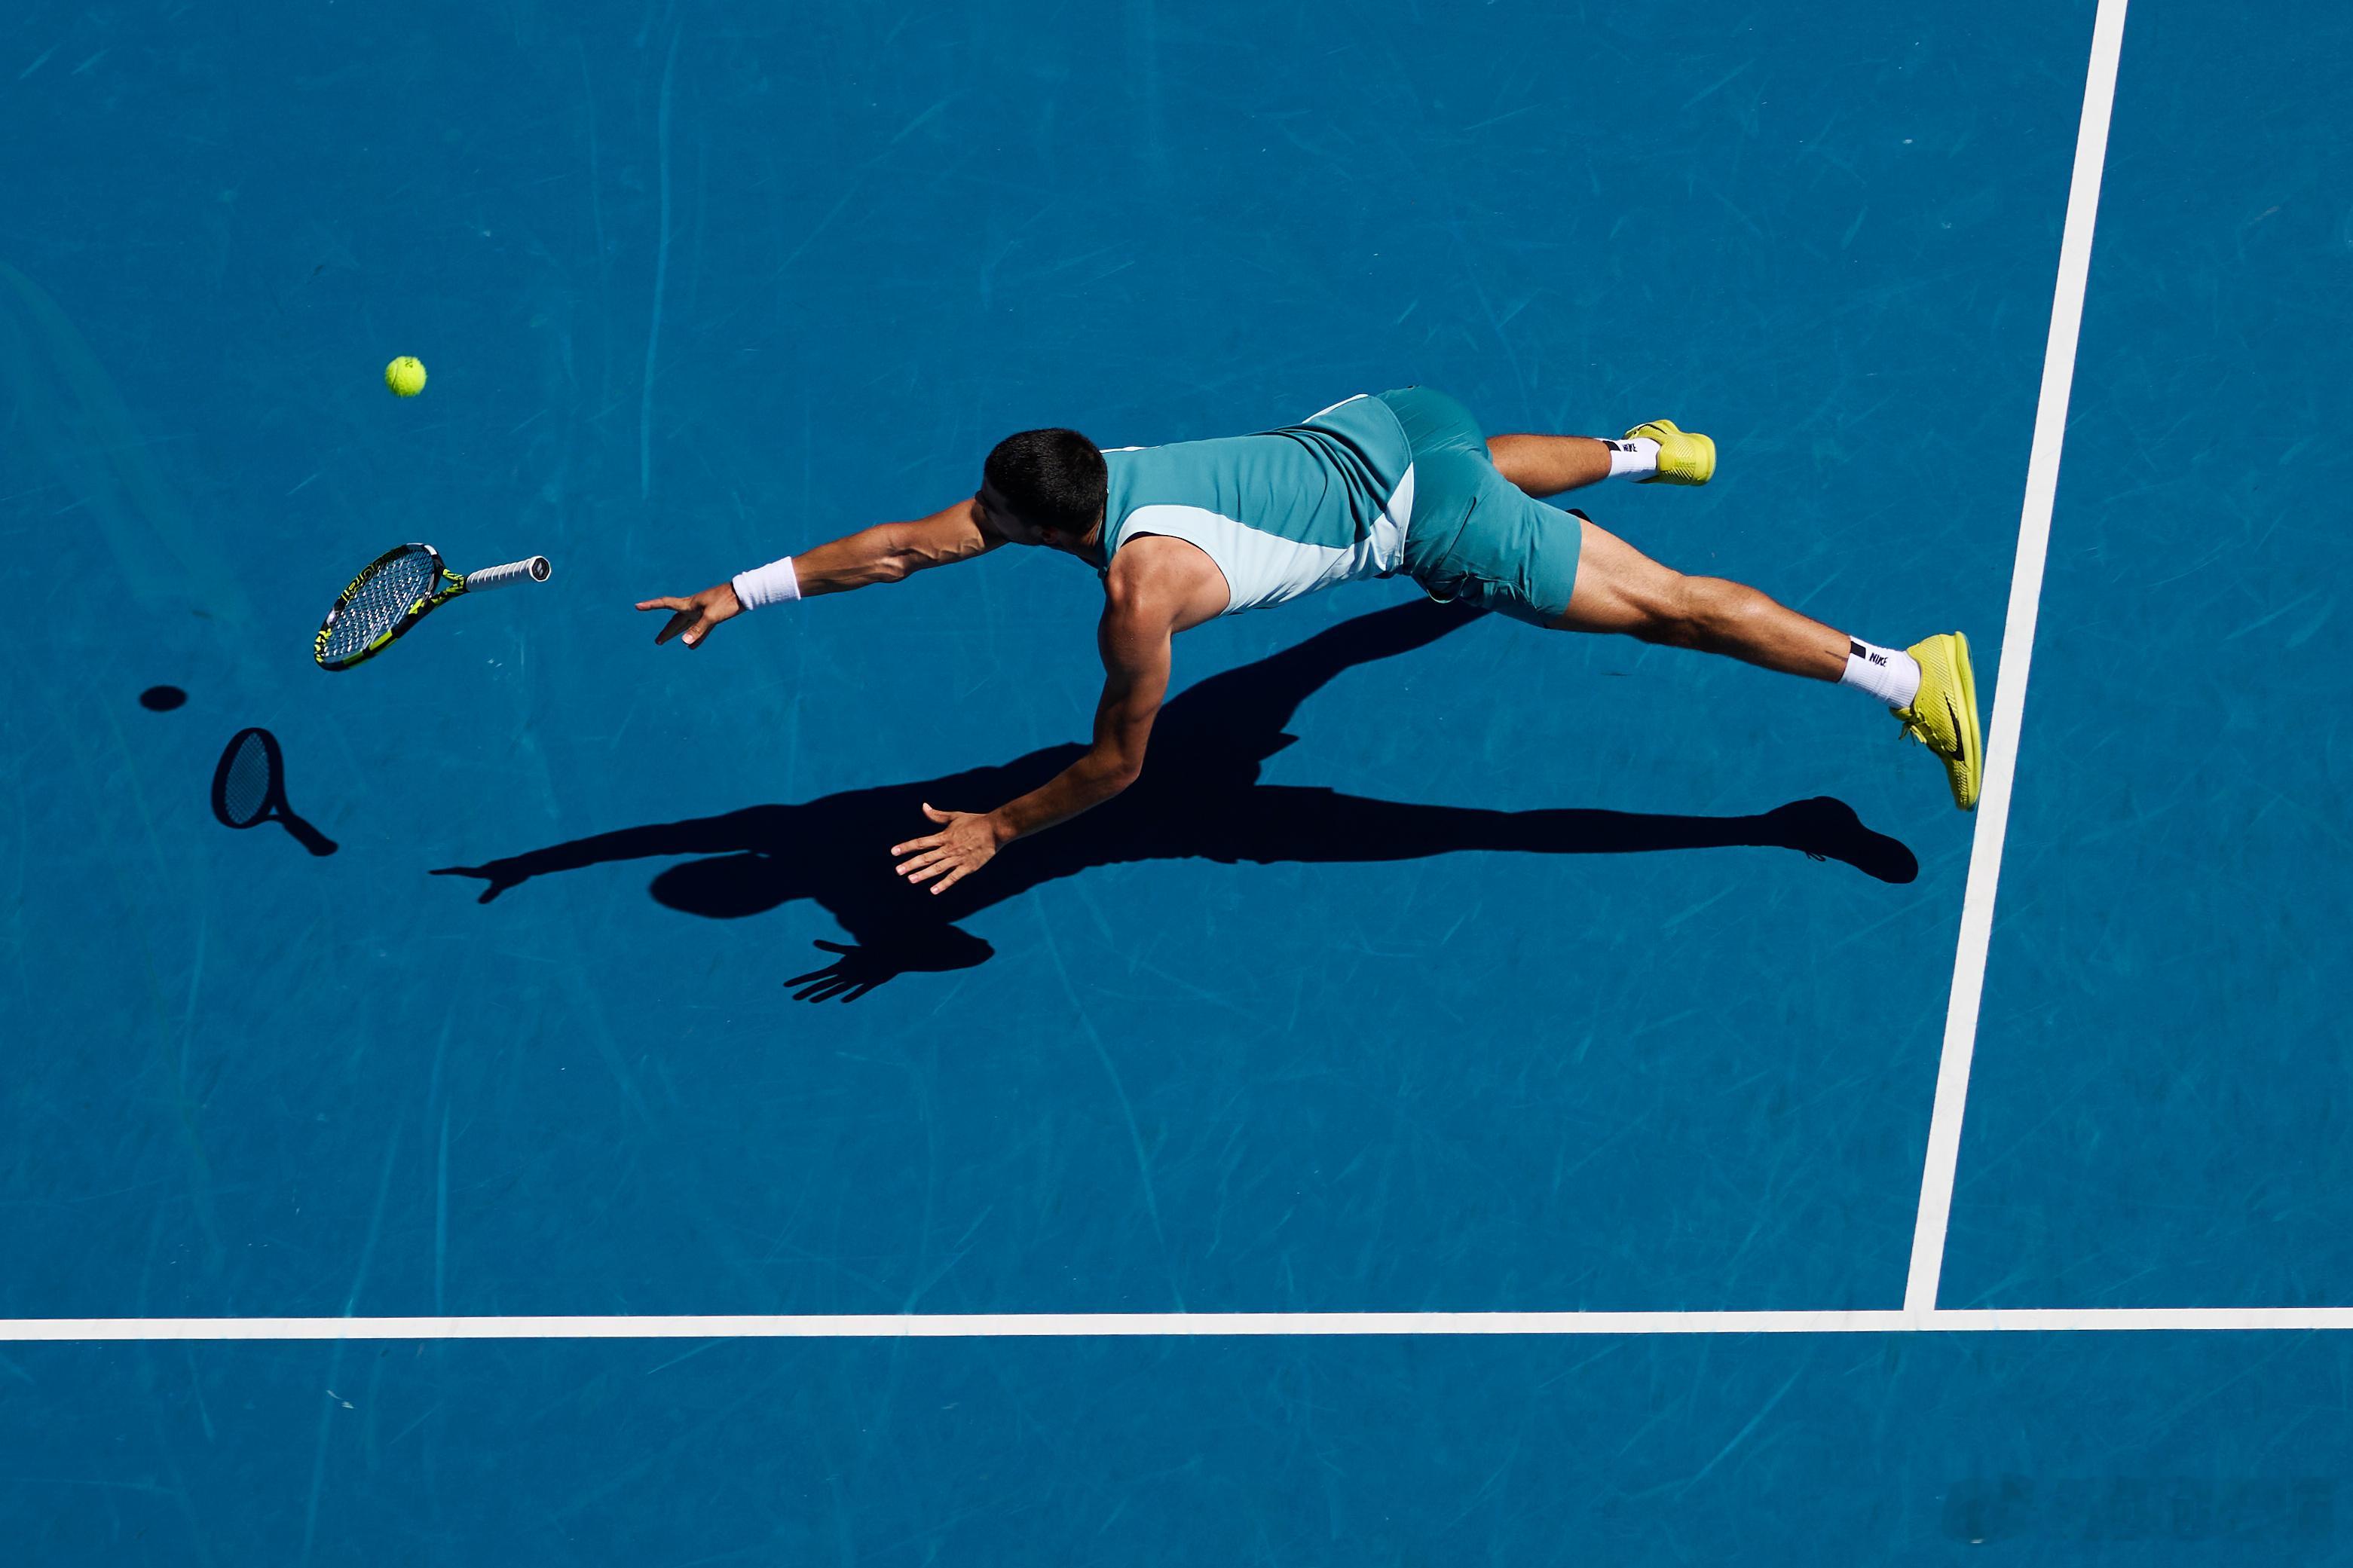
(1654, 454)
(1929, 687)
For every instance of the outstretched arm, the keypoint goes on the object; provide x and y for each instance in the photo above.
(1133, 637)
(886, 552)
(759, 828)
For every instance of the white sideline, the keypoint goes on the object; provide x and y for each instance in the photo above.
(1176, 1325)
(2017, 658)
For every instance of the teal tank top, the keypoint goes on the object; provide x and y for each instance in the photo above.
(1282, 513)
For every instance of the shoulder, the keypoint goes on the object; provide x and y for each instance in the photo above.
(1155, 579)
(1148, 565)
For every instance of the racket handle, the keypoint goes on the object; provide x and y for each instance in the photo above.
(534, 569)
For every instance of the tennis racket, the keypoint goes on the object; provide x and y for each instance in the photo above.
(395, 591)
(250, 788)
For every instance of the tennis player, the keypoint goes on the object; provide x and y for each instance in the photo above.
(1403, 481)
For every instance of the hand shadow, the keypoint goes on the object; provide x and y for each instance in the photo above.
(1200, 798)
(856, 970)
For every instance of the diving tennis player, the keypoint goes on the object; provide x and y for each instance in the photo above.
(1404, 481)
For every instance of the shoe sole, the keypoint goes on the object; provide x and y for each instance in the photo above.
(1972, 742)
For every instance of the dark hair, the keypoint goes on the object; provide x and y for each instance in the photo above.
(1051, 479)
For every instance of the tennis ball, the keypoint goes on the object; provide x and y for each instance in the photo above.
(406, 376)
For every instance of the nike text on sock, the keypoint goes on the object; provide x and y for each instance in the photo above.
(1635, 458)
(1887, 673)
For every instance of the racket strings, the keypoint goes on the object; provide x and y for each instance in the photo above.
(375, 604)
(247, 787)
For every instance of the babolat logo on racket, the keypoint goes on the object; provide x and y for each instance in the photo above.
(398, 589)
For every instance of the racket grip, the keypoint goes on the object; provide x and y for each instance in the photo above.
(533, 569)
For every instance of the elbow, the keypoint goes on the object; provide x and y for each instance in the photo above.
(1119, 773)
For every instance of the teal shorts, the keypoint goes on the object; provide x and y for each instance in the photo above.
(1474, 535)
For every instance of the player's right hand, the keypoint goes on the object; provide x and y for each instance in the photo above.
(695, 616)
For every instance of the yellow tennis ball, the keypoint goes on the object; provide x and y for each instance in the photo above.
(406, 376)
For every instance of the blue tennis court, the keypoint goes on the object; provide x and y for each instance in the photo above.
(1485, 1096)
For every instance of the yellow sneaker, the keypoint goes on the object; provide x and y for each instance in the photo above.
(1944, 716)
(1685, 457)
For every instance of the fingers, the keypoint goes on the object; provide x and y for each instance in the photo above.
(936, 857)
(692, 616)
(924, 868)
(819, 984)
(494, 883)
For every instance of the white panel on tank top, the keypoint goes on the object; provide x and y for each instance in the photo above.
(1262, 568)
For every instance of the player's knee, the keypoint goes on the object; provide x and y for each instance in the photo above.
(1676, 612)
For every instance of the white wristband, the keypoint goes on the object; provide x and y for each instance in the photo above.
(774, 583)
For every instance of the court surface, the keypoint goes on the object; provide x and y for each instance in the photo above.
(702, 1196)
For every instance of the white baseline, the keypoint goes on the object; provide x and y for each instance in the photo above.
(1179, 1325)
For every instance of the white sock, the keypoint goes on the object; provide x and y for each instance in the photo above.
(1887, 673)
(1633, 458)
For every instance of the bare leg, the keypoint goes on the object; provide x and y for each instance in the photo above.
(1547, 465)
(1620, 589)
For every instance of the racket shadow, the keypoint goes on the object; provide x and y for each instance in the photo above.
(249, 789)
(1200, 798)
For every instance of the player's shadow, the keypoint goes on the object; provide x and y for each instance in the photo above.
(1200, 798)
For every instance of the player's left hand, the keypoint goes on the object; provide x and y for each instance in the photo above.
(966, 841)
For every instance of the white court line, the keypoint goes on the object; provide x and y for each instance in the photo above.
(1179, 1325)
(2017, 657)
